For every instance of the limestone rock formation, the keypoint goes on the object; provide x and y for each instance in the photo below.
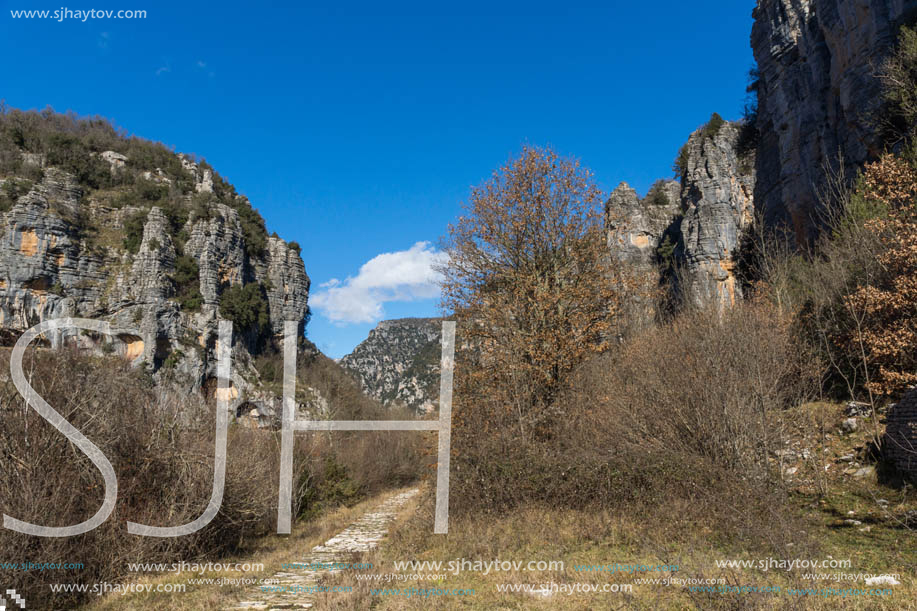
(63, 253)
(636, 229)
(695, 225)
(817, 100)
(398, 363)
(717, 204)
(635, 226)
(817, 94)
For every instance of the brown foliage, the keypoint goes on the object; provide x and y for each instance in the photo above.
(890, 182)
(854, 294)
(527, 278)
(888, 333)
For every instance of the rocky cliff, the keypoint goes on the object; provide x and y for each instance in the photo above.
(398, 363)
(155, 243)
(817, 96)
(693, 226)
(819, 100)
(635, 225)
(717, 205)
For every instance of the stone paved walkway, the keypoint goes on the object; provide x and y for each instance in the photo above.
(292, 588)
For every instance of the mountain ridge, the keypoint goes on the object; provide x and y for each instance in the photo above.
(398, 363)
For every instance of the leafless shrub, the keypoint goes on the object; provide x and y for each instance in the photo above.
(161, 446)
(685, 415)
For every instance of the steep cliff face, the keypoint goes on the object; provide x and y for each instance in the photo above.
(696, 226)
(398, 363)
(66, 250)
(717, 204)
(817, 96)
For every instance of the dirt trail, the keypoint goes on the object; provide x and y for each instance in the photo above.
(293, 588)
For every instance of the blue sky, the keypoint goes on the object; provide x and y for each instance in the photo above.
(357, 129)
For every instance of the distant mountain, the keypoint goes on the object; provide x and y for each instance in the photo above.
(398, 363)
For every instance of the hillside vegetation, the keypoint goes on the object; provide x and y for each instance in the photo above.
(75, 145)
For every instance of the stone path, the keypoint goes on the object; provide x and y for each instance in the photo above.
(292, 587)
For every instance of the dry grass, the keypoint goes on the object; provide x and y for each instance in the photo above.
(161, 447)
(605, 537)
(271, 551)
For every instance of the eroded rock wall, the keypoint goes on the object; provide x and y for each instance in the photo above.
(817, 96)
(62, 254)
(717, 200)
(696, 228)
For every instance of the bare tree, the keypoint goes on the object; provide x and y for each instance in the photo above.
(528, 269)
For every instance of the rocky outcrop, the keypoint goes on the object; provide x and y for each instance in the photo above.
(218, 247)
(398, 364)
(718, 205)
(817, 96)
(695, 226)
(635, 226)
(63, 253)
(203, 177)
(287, 285)
(261, 409)
(40, 253)
(636, 229)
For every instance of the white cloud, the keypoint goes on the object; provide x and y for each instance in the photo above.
(406, 275)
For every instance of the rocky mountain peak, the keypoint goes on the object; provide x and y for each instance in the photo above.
(398, 363)
(695, 225)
